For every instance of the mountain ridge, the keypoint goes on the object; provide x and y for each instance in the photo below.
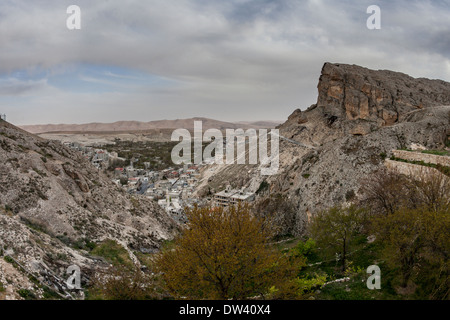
(127, 126)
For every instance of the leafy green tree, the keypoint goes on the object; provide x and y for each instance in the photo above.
(334, 229)
(416, 242)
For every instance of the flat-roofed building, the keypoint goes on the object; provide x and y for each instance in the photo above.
(230, 196)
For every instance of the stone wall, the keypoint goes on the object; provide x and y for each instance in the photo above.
(409, 169)
(418, 156)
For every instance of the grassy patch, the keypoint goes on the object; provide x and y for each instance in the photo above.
(113, 253)
(355, 289)
(437, 152)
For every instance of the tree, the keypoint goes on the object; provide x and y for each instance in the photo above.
(334, 229)
(384, 192)
(417, 243)
(387, 191)
(223, 254)
(430, 188)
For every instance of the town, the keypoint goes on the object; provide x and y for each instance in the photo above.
(173, 187)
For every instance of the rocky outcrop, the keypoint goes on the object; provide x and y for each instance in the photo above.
(384, 97)
(361, 115)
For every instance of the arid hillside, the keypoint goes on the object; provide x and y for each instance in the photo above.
(53, 203)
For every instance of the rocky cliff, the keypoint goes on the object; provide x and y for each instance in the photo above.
(53, 202)
(360, 116)
(385, 97)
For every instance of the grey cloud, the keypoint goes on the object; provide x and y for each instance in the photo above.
(250, 57)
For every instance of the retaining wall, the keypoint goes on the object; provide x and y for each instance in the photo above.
(425, 157)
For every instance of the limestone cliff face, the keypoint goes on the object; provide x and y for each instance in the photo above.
(385, 97)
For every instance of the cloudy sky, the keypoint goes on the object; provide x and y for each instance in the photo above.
(229, 60)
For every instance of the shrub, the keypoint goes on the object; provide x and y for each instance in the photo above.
(26, 294)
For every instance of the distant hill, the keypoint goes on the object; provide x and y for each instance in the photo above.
(132, 126)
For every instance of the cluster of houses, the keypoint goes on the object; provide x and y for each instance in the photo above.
(173, 188)
(99, 158)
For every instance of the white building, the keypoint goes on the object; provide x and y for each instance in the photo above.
(232, 197)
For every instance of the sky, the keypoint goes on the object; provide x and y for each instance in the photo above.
(236, 60)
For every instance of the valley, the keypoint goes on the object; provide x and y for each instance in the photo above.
(101, 199)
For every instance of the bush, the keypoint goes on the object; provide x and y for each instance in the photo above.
(26, 294)
(305, 248)
(263, 186)
(9, 259)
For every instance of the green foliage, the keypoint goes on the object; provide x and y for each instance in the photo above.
(158, 154)
(224, 255)
(305, 248)
(334, 230)
(309, 285)
(437, 152)
(262, 187)
(26, 294)
(9, 259)
(50, 294)
(417, 242)
(84, 244)
(113, 253)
